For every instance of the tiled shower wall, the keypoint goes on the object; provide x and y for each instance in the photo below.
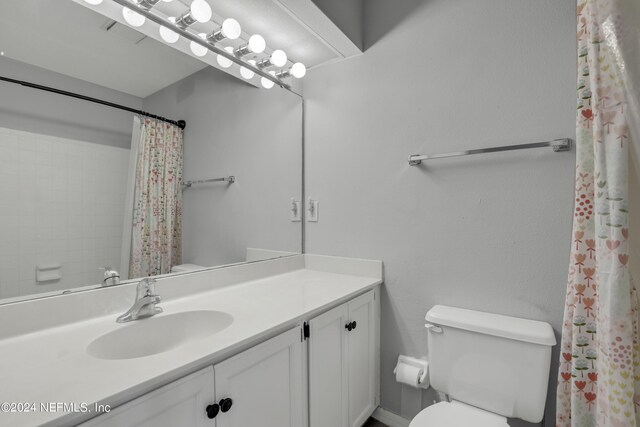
(61, 201)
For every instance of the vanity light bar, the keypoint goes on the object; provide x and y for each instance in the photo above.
(180, 28)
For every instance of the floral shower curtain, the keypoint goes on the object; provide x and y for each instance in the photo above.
(157, 211)
(599, 375)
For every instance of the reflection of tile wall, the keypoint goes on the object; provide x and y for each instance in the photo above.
(61, 201)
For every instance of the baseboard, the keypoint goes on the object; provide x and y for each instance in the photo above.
(389, 418)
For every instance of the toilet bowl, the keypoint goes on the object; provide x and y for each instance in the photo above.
(481, 361)
(457, 414)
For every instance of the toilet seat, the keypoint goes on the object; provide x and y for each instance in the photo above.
(457, 414)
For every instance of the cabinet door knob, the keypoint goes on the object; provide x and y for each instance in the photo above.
(353, 324)
(212, 411)
(225, 404)
(348, 327)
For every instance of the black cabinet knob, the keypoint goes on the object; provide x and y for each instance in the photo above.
(348, 327)
(353, 324)
(225, 404)
(212, 411)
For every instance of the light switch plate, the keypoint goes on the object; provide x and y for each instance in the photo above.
(295, 211)
(312, 210)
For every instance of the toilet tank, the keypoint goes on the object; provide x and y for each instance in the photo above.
(496, 363)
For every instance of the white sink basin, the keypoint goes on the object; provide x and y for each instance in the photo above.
(158, 334)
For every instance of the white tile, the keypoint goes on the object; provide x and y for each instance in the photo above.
(9, 261)
(9, 275)
(74, 233)
(9, 141)
(8, 247)
(8, 232)
(9, 154)
(27, 142)
(27, 247)
(44, 143)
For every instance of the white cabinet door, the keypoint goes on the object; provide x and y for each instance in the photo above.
(180, 403)
(265, 384)
(342, 364)
(361, 350)
(328, 380)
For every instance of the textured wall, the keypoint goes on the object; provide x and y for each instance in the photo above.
(488, 232)
(236, 129)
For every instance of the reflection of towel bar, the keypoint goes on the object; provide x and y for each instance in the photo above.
(557, 145)
(230, 179)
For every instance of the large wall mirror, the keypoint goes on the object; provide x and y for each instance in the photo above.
(76, 177)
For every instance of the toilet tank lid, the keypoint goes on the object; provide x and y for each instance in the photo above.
(514, 328)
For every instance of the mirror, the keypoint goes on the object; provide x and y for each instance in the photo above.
(69, 167)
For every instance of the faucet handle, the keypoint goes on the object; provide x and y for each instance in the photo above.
(146, 287)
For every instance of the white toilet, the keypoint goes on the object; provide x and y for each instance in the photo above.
(183, 268)
(491, 367)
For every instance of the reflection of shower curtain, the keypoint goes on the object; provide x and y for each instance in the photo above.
(157, 204)
(125, 252)
(599, 376)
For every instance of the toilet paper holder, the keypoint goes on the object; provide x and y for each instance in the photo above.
(422, 364)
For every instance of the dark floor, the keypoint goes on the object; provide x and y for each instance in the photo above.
(374, 423)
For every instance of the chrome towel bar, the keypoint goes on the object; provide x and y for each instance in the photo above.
(230, 179)
(563, 144)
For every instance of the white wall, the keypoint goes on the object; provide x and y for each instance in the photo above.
(47, 113)
(61, 202)
(254, 134)
(488, 232)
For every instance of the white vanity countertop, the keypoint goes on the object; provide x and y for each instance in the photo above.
(52, 365)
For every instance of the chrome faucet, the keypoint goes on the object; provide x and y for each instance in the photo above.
(111, 277)
(145, 303)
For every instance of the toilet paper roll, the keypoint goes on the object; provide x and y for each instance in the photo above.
(407, 374)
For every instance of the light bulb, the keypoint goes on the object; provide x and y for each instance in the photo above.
(93, 2)
(257, 43)
(298, 70)
(225, 62)
(247, 73)
(231, 29)
(166, 1)
(133, 18)
(198, 49)
(167, 34)
(278, 58)
(200, 10)
(266, 83)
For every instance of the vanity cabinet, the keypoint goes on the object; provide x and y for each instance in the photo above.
(262, 386)
(266, 384)
(326, 380)
(342, 364)
(179, 403)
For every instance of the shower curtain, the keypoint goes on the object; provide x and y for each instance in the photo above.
(156, 236)
(599, 375)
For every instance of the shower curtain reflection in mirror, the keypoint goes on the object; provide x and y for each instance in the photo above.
(152, 239)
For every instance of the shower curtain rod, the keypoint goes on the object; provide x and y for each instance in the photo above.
(180, 123)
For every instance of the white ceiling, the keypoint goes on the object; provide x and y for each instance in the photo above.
(68, 37)
(62, 36)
